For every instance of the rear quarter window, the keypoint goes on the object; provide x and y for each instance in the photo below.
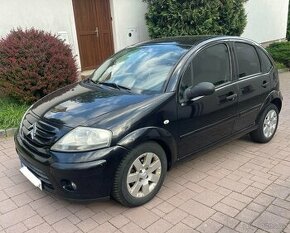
(266, 64)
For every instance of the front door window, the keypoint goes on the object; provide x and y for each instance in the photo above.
(212, 64)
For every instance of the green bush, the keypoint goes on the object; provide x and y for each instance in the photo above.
(280, 65)
(34, 63)
(280, 52)
(195, 17)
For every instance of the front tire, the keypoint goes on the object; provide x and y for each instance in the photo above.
(267, 125)
(140, 175)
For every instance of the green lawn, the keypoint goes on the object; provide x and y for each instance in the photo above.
(11, 113)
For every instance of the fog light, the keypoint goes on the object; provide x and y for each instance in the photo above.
(68, 185)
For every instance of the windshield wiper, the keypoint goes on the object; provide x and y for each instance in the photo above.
(115, 85)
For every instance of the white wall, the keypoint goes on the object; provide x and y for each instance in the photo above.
(49, 15)
(267, 20)
(128, 15)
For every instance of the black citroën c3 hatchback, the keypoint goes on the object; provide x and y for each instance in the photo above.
(117, 133)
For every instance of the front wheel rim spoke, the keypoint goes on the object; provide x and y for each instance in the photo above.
(266, 131)
(154, 166)
(154, 178)
(145, 188)
(132, 178)
(136, 188)
(137, 164)
(272, 129)
(148, 159)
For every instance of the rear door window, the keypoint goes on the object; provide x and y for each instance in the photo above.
(248, 60)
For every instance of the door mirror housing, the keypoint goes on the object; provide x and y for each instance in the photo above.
(201, 89)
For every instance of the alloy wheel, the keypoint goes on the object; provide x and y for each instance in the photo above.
(270, 123)
(143, 175)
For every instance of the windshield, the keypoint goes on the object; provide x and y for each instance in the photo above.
(143, 69)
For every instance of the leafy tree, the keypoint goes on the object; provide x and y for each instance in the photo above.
(195, 17)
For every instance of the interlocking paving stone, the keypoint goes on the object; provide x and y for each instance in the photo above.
(175, 216)
(247, 215)
(198, 210)
(264, 199)
(209, 226)
(225, 220)
(232, 185)
(234, 203)
(208, 197)
(132, 228)
(137, 215)
(181, 228)
(192, 221)
(282, 203)
(87, 225)
(245, 228)
(226, 209)
(119, 221)
(160, 226)
(276, 190)
(270, 222)
(256, 207)
(64, 226)
(279, 211)
(226, 230)
(16, 216)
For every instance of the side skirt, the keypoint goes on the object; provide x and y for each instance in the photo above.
(218, 144)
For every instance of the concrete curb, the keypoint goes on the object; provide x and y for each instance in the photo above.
(7, 132)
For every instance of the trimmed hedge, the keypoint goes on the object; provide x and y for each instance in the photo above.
(195, 17)
(33, 64)
(280, 52)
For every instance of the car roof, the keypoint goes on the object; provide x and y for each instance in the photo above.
(191, 41)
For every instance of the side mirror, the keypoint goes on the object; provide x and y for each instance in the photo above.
(201, 89)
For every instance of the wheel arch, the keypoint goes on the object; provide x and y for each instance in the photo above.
(278, 103)
(275, 98)
(155, 134)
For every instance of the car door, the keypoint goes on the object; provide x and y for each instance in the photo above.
(207, 119)
(253, 84)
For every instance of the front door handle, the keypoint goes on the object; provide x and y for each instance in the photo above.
(231, 97)
(265, 83)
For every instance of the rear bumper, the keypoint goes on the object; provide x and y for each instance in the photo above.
(93, 177)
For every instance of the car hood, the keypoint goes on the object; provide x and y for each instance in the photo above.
(81, 103)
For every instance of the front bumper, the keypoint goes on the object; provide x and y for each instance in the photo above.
(92, 172)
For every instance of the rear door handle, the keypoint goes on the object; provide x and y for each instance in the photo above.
(232, 97)
(265, 84)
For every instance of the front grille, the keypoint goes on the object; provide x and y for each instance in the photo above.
(37, 132)
(39, 174)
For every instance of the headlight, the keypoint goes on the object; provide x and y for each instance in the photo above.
(83, 139)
